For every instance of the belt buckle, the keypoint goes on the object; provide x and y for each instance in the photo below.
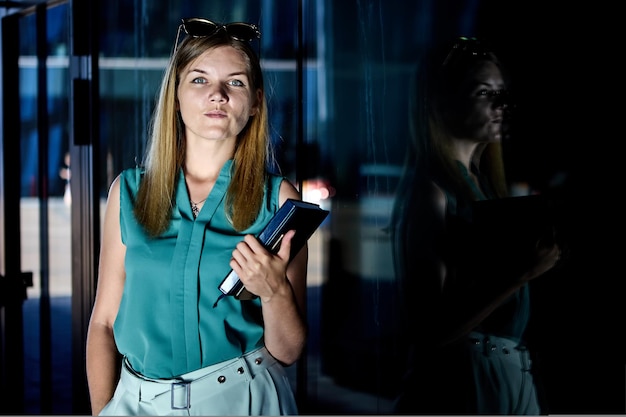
(187, 387)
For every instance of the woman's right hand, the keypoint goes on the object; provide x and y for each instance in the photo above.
(547, 254)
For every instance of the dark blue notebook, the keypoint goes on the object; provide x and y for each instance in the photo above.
(302, 216)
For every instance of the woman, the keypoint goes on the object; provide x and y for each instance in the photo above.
(174, 228)
(466, 296)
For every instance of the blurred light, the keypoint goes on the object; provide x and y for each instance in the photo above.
(316, 190)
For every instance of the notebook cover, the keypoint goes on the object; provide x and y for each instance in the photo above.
(302, 216)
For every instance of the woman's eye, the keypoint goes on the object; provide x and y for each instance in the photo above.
(198, 80)
(236, 83)
(490, 94)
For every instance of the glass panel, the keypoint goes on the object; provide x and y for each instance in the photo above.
(45, 216)
(349, 121)
(342, 142)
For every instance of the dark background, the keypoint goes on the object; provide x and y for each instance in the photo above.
(564, 60)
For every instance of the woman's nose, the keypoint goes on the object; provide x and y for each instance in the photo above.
(217, 95)
(500, 98)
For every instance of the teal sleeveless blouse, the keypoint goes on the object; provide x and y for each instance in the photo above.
(511, 318)
(167, 324)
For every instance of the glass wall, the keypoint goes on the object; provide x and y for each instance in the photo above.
(45, 207)
(338, 75)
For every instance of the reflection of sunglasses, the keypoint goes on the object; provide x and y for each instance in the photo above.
(464, 45)
(198, 27)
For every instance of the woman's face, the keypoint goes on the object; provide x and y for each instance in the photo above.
(214, 95)
(480, 113)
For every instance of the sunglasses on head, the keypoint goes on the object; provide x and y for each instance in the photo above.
(198, 27)
(465, 45)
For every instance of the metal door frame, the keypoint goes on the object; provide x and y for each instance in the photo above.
(85, 214)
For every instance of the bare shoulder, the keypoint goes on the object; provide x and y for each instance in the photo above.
(113, 196)
(115, 184)
(287, 190)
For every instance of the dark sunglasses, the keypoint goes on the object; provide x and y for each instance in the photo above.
(198, 27)
(465, 45)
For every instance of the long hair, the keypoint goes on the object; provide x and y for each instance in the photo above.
(165, 154)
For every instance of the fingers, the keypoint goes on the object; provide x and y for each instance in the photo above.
(247, 249)
(261, 271)
(285, 246)
(250, 254)
(553, 255)
(250, 246)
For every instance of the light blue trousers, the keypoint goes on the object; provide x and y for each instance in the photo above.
(502, 377)
(253, 384)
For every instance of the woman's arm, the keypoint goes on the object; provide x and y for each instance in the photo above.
(102, 355)
(455, 309)
(281, 286)
(465, 310)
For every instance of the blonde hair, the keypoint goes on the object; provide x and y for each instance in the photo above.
(165, 154)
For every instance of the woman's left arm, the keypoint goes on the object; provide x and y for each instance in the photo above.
(281, 286)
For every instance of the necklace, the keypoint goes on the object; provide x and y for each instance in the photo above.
(194, 207)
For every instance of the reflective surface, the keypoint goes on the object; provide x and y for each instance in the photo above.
(338, 97)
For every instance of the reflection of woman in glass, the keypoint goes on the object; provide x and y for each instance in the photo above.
(466, 311)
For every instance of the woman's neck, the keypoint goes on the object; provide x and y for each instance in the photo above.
(463, 151)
